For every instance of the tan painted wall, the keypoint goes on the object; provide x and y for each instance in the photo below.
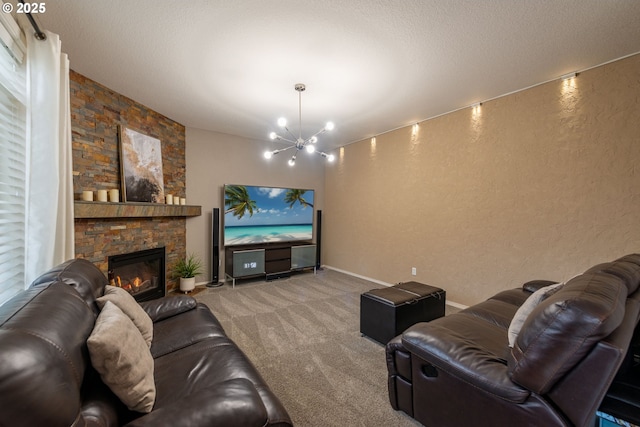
(215, 159)
(542, 183)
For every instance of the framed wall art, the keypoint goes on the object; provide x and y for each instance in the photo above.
(140, 167)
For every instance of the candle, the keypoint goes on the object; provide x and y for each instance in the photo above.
(114, 195)
(183, 201)
(169, 199)
(102, 195)
(87, 196)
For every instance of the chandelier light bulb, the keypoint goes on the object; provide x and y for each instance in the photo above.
(329, 126)
(310, 148)
(273, 135)
(330, 157)
(292, 161)
(282, 122)
(268, 154)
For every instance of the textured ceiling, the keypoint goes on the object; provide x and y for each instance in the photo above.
(370, 66)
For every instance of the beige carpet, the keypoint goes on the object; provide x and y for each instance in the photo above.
(303, 335)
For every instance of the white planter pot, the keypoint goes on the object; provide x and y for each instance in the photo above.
(187, 284)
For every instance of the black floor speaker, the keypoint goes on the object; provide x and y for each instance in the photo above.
(215, 249)
(318, 239)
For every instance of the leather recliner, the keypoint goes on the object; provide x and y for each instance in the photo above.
(459, 370)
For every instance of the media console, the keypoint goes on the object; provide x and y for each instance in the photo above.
(274, 261)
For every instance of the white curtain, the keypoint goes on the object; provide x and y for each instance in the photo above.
(50, 232)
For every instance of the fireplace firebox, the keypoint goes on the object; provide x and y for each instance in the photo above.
(141, 273)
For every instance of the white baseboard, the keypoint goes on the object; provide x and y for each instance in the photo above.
(380, 282)
(457, 305)
(359, 276)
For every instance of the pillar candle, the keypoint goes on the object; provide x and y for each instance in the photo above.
(114, 195)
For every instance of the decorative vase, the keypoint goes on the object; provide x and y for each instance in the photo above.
(187, 284)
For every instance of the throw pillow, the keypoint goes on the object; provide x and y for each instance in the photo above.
(121, 356)
(527, 307)
(125, 302)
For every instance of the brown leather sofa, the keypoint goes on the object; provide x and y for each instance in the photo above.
(460, 371)
(47, 379)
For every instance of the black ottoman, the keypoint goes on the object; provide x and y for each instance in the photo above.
(387, 312)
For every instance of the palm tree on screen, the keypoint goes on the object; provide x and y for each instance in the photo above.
(238, 201)
(296, 195)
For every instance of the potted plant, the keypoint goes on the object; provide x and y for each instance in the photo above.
(187, 269)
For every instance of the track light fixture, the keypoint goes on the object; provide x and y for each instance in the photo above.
(298, 142)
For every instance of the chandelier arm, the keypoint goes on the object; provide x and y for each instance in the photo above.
(292, 135)
(327, 156)
(287, 148)
(282, 139)
(320, 132)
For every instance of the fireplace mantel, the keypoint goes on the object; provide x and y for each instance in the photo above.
(132, 210)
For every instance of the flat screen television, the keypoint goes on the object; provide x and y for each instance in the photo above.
(255, 214)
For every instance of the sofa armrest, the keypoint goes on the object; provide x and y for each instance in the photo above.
(534, 285)
(162, 308)
(234, 402)
(454, 351)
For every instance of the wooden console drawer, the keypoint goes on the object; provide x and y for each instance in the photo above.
(277, 253)
(278, 266)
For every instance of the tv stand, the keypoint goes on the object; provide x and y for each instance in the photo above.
(271, 260)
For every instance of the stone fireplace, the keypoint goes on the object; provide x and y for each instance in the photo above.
(103, 230)
(141, 273)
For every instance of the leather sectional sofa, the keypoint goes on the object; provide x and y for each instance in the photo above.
(201, 377)
(460, 370)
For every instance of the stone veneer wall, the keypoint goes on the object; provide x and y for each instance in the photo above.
(96, 112)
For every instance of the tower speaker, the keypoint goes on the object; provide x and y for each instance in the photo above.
(215, 249)
(318, 238)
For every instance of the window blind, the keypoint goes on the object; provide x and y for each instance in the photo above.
(13, 164)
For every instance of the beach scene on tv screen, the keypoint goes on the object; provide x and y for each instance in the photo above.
(256, 214)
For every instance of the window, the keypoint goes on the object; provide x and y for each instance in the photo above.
(13, 161)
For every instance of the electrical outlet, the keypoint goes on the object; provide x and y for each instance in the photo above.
(413, 271)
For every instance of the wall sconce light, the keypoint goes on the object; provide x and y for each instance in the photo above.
(415, 129)
(568, 82)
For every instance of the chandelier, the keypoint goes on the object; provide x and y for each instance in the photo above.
(298, 142)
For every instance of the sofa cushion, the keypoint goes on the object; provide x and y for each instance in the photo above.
(235, 402)
(205, 364)
(184, 330)
(129, 306)
(564, 327)
(162, 308)
(121, 356)
(527, 307)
